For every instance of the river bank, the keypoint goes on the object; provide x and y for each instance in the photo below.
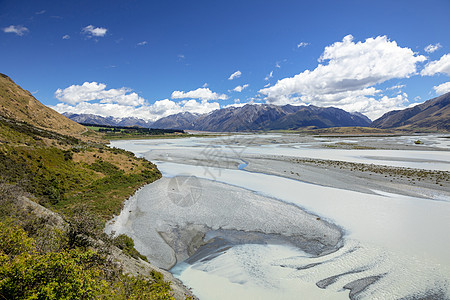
(224, 208)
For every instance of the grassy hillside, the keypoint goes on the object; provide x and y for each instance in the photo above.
(86, 183)
(62, 171)
(56, 192)
(18, 104)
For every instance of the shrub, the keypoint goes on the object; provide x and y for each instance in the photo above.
(141, 288)
(14, 240)
(104, 167)
(126, 244)
(82, 225)
(54, 275)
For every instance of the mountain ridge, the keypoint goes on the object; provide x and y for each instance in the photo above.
(246, 118)
(433, 114)
(110, 121)
(19, 104)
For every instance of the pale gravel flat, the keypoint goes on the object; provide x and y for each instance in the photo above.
(219, 206)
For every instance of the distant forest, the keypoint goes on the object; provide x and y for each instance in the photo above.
(133, 129)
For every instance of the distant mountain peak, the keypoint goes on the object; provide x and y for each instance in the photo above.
(432, 115)
(263, 117)
(246, 118)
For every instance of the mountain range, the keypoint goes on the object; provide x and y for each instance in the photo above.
(110, 121)
(432, 115)
(246, 118)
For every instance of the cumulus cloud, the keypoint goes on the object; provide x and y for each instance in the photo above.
(200, 93)
(19, 29)
(152, 112)
(432, 48)
(142, 43)
(90, 91)
(346, 76)
(92, 31)
(94, 98)
(438, 66)
(302, 44)
(66, 37)
(236, 74)
(442, 88)
(240, 88)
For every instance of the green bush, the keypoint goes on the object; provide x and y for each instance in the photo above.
(54, 275)
(77, 273)
(14, 240)
(104, 167)
(142, 288)
(126, 244)
(83, 225)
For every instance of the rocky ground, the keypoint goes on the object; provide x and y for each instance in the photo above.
(362, 177)
(359, 177)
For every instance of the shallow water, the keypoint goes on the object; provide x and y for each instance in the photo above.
(209, 147)
(398, 244)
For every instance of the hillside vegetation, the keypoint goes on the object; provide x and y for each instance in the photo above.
(62, 171)
(56, 192)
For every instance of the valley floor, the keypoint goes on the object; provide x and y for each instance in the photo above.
(274, 215)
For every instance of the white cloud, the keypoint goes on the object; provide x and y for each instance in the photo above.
(152, 112)
(302, 44)
(200, 93)
(431, 48)
(205, 85)
(94, 98)
(438, 66)
(40, 12)
(442, 88)
(19, 29)
(94, 31)
(66, 37)
(348, 78)
(90, 91)
(236, 74)
(200, 107)
(269, 76)
(396, 87)
(142, 43)
(240, 88)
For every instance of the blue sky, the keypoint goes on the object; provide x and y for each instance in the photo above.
(154, 58)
